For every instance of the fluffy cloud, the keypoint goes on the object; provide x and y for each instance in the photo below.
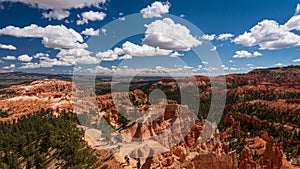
(297, 12)
(12, 66)
(66, 57)
(296, 60)
(224, 67)
(268, 34)
(119, 51)
(292, 24)
(234, 69)
(225, 36)
(122, 18)
(246, 54)
(279, 65)
(59, 4)
(91, 16)
(74, 56)
(54, 36)
(25, 58)
(176, 54)
(214, 48)
(144, 50)
(9, 47)
(58, 8)
(256, 54)
(130, 49)
(156, 9)
(103, 70)
(109, 55)
(103, 31)
(166, 34)
(41, 55)
(188, 67)
(125, 57)
(91, 32)
(208, 37)
(9, 58)
(56, 14)
(46, 62)
(87, 60)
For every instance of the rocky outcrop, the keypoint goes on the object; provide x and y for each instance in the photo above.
(235, 119)
(246, 159)
(20, 100)
(273, 155)
(209, 154)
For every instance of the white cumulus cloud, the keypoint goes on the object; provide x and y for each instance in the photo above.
(225, 36)
(53, 36)
(91, 32)
(108, 55)
(24, 58)
(234, 69)
(144, 50)
(246, 54)
(74, 56)
(12, 66)
(66, 57)
(297, 12)
(56, 14)
(176, 54)
(125, 57)
(214, 48)
(279, 65)
(122, 18)
(9, 47)
(166, 34)
(9, 58)
(296, 60)
(41, 55)
(59, 9)
(208, 37)
(292, 24)
(91, 16)
(129, 50)
(103, 70)
(270, 35)
(155, 9)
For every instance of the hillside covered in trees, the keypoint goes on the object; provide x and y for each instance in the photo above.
(43, 140)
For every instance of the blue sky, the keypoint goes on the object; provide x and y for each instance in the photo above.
(235, 36)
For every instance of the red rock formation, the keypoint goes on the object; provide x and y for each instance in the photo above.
(246, 160)
(192, 152)
(206, 155)
(273, 155)
(20, 100)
